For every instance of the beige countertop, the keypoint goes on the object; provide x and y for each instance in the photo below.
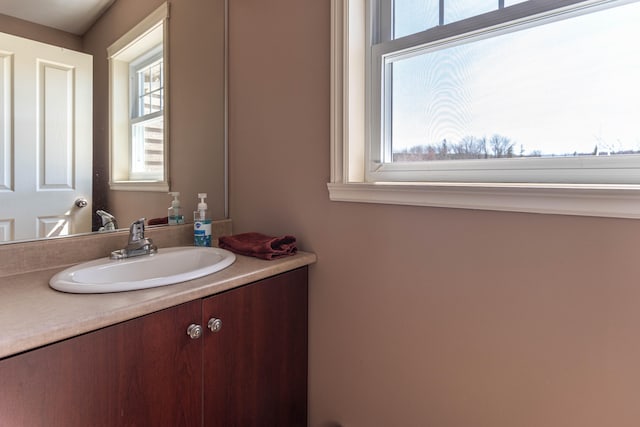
(32, 314)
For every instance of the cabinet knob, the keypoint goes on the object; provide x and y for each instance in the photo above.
(214, 324)
(194, 331)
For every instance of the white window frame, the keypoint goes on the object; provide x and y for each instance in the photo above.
(140, 40)
(350, 159)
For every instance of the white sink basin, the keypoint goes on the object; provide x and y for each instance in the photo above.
(167, 267)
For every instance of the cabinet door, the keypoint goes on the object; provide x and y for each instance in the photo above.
(143, 372)
(255, 367)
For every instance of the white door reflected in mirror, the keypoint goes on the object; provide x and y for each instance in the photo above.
(45, 139)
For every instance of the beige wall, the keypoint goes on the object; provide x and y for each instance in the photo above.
(197, 103)
(426, 316)
(29, 30)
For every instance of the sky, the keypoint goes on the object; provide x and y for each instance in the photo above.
(558, 89)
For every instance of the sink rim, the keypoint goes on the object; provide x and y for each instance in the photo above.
(65, 281)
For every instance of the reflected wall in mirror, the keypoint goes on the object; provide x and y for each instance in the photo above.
(196, 126)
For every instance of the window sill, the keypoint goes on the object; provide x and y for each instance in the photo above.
(616, 201)
(155, 186)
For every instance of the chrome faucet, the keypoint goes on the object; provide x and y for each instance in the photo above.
(109, 222)
(137, 245)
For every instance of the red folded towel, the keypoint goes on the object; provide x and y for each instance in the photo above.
(158, 221)
(259, 245)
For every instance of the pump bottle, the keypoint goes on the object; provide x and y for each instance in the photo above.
(201, 223)
(175, 216)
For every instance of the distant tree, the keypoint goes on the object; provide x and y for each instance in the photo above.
(501, 146)
(418, 149)
(443, 150)
(431, 152)
(469, 148)
(484, 150)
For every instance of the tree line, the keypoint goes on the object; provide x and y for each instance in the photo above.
(469, 147)
(495, 147)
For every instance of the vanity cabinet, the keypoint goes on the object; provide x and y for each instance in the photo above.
(257, 376)
(243, 364)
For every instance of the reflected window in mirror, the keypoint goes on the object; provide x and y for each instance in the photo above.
(138, 105)
(147, 116)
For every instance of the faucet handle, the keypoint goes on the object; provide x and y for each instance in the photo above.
(136, 231)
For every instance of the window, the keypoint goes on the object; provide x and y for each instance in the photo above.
(138, 107)
(492, 104)
(147, 117)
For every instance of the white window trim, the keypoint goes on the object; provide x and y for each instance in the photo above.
(348, 136)
(117, 126)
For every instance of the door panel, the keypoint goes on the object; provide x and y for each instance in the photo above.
(143, 372)
(255, 367)
(45, 138)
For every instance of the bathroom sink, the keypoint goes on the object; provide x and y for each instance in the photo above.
(167, 267)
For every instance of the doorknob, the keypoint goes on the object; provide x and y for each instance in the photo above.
(81, 202)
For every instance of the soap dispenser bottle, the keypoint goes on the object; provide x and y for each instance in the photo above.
(201, 223)
(175, 216)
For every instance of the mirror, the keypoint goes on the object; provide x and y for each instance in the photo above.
(196, 102)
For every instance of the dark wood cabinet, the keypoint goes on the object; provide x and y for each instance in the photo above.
(123, 375)
(259, 354)
(149, 372)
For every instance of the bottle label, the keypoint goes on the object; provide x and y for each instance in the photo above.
(202, 233)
